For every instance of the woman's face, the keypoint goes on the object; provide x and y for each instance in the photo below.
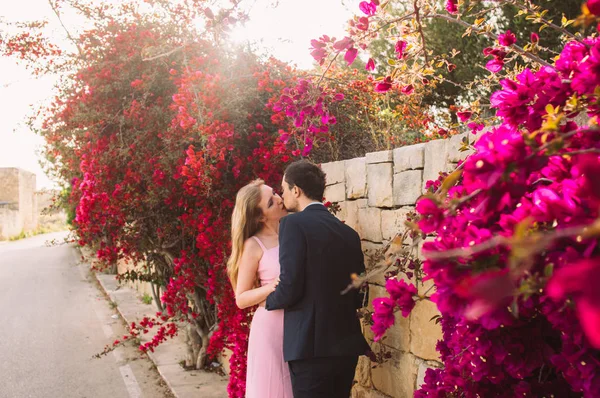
(271, 204)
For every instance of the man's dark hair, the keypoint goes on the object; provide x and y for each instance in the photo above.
(308, 177)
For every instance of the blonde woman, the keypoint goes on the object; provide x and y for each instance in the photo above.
(255, 257)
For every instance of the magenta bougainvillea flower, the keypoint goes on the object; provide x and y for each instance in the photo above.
(594, 6)
(368, 7)
(399, 48)
(452, 6)
(370, 65)
(383, 85)
(507, 39)
(580, 281)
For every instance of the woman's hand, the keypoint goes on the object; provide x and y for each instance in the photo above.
(273, 285)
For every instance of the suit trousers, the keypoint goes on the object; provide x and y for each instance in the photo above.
(328, 377)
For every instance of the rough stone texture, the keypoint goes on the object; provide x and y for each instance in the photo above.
(335, 193)
(408, 186)
(352, 207)
(397, 376)
(379, 157)
(426, 288)
(363, 371)
(436, 160)
(393, 222)
(424, 333)
(359, 391)
(379, 185)
(335, 172)
(398, 336)
(409, 158)
(454, 145)
(356, 178)
(369, 220)
(422, 368)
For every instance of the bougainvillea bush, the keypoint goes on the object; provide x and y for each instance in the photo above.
(513, 249)
(154, 128)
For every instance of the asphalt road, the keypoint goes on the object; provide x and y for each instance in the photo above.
(53, 319)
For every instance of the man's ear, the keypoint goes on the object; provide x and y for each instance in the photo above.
(296, 191)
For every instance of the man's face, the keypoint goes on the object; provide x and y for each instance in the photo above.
(290, 201)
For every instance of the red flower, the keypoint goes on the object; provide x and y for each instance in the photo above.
(452, 6)
(464, 115)
(384, 85)
(400, 48)
(594, 6)
(370, 65)
(534, 37)
(507, 39)
(350, 55)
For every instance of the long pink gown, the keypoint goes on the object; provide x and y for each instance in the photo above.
(268, 375)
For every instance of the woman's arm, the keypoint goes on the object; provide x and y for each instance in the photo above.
(246, 295)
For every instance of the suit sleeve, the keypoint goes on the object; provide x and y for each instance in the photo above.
(292, 259)
(362, 295)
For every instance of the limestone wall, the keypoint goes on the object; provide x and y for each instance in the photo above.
(375, 193)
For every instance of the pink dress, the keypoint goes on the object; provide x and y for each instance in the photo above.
(268, 375)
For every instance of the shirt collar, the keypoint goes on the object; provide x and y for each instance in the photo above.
(314, 203)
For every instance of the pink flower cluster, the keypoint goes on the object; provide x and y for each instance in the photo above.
(307, 105)
(401, 297)
(521, 322)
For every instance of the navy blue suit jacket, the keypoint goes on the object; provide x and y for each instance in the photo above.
(318, 253)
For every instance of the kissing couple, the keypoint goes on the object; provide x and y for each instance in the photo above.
(293, 258)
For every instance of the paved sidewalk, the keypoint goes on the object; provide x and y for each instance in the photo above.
(167, 356)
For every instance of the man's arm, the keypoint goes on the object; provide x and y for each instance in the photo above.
(292, 259)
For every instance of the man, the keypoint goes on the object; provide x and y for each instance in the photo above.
(318, 254)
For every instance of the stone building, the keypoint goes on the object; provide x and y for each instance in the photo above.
(18, 202)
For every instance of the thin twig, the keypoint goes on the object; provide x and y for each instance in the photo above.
(55, 10)
(164, 54)
(515, 47)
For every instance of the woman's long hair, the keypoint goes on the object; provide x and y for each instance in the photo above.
(245, 222)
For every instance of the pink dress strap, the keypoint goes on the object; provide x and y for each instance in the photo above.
(260, 244)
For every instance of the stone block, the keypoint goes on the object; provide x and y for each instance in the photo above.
(335, 172)
(422, 369)
(342, 214)
(409, 158)
(426, 288)
(397, 376)
(356, 178)
(369, 220)
(393, 222)
(351, 216)
(454, 145)
(374, 292)
(424, 333)
(408, 187)
(398, 336)
(379, 185)
(372, 259)
(359, 391)
(436, 160)
(379, 157)
(335, 193)
(363, 371)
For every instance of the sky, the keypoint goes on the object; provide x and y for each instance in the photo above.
(284, 31)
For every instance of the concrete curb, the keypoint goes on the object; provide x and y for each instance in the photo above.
(166, 357)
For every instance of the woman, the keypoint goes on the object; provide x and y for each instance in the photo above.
(253, 269)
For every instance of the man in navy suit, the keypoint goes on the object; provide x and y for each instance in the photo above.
(318, 254)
